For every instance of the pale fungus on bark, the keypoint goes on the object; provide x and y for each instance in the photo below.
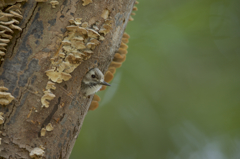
(4, 3)
(85, 24)
(1, 118)
(43, 132)
(76, 47)
(101, 38)
(93, 34)
(8, 23)
(105, 14)
(54, 3)
(47, 96)
(86, 2)
(49, 127)
(2, 88)
(95, 41)
(105, 29)
(57, 76)
(5, 98)
(50, 85)
(37, 152)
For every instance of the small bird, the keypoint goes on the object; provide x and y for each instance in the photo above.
(92, 82)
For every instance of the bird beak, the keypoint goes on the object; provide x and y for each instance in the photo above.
(105, 83)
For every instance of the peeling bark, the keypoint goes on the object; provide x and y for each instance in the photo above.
(23, 73)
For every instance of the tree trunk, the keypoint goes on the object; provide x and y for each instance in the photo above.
(31, 52)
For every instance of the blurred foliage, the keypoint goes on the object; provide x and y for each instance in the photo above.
(177, 96)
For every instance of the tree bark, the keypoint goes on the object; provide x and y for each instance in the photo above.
(23, 73)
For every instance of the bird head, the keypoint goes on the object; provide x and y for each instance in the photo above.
(95, 77)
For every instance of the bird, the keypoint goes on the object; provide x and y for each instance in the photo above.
(93, 82)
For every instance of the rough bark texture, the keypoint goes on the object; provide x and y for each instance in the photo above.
(23, 73)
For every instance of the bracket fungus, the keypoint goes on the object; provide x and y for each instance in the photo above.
(49, 127)
(78, 44)
(57, 76)
(37, 152)
(50, 85)
(5, 98)
(105, 14)
(9, 19)
(4, 3)
(43, 132)
(54, 3)
(119, 58)
(86, 2)
(107, 27)
(95, 102)
(48, 95)
(134, 9)
(1, 118)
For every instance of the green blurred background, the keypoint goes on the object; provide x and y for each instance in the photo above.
(177, 96)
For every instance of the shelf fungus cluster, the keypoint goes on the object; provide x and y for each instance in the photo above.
(54, 3)
(49, 127)
(132, 14)
(48, 95)
(37, 152)
(5, 97)
(9, 20)
(86, 2)
(119, 58)
(1, 118)
(4, 3)
(78, 45)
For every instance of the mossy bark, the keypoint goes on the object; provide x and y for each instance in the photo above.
(23, 73)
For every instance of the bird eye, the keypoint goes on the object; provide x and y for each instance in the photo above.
(93, 76)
